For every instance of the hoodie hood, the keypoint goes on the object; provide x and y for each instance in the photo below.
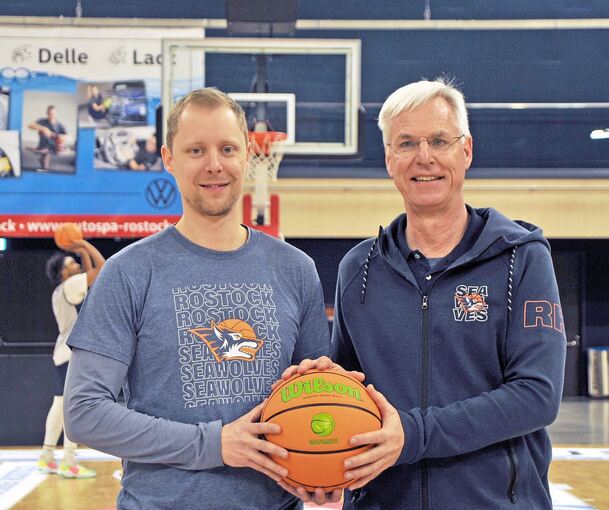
(498, 235)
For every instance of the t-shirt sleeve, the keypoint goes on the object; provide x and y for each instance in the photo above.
(95, 418)
(109, 318)
(75, 288)
(314, 332)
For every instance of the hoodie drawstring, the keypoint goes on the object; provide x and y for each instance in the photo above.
(367, 265)
(510, 281)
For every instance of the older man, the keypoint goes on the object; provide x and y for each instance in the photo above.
(453, 315)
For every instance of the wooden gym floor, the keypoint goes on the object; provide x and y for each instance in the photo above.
(579, 473)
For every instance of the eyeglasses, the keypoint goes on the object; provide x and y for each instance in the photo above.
(436, 144)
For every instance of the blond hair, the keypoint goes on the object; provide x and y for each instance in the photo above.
(208, 97)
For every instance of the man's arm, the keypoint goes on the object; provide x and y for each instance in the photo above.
(389, 440)
(95, 418)
(313, 331)
(91, 259)
(341, 349)
(43, 130)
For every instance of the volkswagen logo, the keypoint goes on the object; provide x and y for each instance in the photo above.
(161, 193)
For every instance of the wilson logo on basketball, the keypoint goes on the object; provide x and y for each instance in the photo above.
(317, 385)
(232, 339)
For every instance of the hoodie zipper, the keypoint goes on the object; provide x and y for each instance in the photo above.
(425, 395)
(425, 353)
(511, 493)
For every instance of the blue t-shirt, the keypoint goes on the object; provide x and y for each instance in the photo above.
(204, 334)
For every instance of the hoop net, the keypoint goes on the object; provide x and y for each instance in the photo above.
(265, 155)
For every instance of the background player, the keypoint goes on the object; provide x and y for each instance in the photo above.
(72, 281)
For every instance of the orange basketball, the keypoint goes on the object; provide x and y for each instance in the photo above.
(239, 326)
(318, 413)
(66, 234)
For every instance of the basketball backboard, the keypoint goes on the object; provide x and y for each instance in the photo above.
(307, 88)
(281, 107)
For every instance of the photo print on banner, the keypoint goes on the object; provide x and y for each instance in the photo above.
(4, 103)
(119, 113)
(48, 131)
(10, 162)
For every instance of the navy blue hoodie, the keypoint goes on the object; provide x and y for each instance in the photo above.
(474, 366)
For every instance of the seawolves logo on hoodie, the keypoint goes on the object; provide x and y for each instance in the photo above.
(470, 303)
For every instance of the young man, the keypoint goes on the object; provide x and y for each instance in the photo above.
(72, 282)
(453, 315)
(195, 323)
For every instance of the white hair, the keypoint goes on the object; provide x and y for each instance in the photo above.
(415, 94)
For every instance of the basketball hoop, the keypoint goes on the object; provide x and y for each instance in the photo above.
(266, 152)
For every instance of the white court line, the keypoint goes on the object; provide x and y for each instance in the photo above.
(562, 499)
(580, 454)
(19, 474)
(33, 454)
(17, 480)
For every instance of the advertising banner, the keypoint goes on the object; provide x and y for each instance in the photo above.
(78, 131)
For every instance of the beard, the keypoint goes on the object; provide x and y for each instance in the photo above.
(214, 208)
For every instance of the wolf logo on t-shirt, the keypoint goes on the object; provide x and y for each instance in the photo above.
(231, 339)
(228, 342)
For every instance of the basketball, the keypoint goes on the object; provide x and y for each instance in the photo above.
(66, 234)
(318, 413)
(238, 326)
